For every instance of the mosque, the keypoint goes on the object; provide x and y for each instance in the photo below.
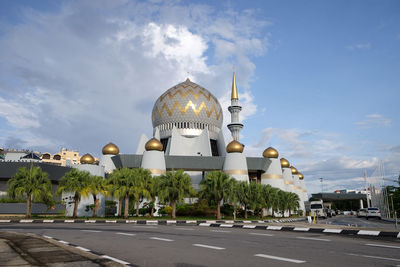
(187, 134)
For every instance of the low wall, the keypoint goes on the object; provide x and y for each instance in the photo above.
(37, 208)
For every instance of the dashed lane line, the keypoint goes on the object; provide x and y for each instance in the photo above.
(208, 246)
(144, 226)
(126, 234)
(82, 248)
(261, 234)
(373, 257)
(381, 245)
(220, 231)
(91, 231)
(64, 242)
(161, 239)
(184, 229)
(279, 258)
(313, 238)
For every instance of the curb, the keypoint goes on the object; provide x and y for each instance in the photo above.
(151, 222)
(90, 251)
(348, 232)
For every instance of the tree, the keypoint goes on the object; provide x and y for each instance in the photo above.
(174, 187)
(293, 202)
(267, 197)
(152, 188)
(275, 201)
(96, 185)
(215, 188)
(77, 182)
(141, 178)
(243, 195)
(120, 183)
(256, 200)
(32, 183)
(284, 201)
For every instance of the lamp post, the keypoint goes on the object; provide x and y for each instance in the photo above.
(322, 184)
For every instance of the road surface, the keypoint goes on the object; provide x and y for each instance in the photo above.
(195, 246)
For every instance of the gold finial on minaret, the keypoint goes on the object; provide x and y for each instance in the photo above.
(234, 88)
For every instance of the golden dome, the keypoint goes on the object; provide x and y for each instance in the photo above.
(285, 163)
(87, 159)
(153, 144)
(234, 146)
(301, 176)
(294, 170)
(270, 153)
(110, 149)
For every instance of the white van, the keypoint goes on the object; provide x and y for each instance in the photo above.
(317, 208)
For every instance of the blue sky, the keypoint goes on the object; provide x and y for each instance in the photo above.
(318, 80)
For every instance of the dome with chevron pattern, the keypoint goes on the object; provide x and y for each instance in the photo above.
(188, 107)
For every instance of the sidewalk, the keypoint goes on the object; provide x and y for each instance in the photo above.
(17, 249)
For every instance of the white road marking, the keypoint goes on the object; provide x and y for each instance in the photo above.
(90, 221)
(220, 231)
(204, 224)
(69, 221)
(381, 245)
(46, 236)
(48, 221)
(161, 239)
(313, 238)
(249, 226)
(183, 228)
(226, 225)
(274, 227)
(114, 259)
(5, 221)
(364, 232)
(171, 221)
(207, 246)
(111, 221)
(25, 221)
(145, 226)
(191, 222)
(82, 248)
(301, 229)
(125, 234)
(278, 258)
(334, 231)
(261, 234)
(64, 242)
(373, 257)
(91, 231)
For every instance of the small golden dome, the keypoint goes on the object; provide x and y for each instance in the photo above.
(294, 170)
(234, 146)
(301, 176)
(285, 163)
(153, 144)
(87, 159)
(270, 153)
(110, 149)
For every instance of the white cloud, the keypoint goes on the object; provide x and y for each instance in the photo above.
(90, 73)
(374, 120)
(360, 46)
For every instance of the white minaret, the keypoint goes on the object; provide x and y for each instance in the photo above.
(235, 126)
(287, 175)
(273, 175)
(297, 187)
(235, 163)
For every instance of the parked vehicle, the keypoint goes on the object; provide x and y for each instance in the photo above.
(362, 213)
(317, 209)
(333, 213)
(328, 213)
(373, 213)
(346, 212)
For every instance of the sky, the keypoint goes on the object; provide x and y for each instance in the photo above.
(318, 80)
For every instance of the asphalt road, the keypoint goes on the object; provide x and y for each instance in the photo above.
(352, 220)
(194, 246)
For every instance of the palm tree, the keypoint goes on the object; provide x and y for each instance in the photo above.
(243, 195)
(141, 178)
(284, 201)
(32, 183)
(75, 181)
(256, 200)
(96, 185)
(267, 197)
(215, 188)
(174, 187)
(274, 192)
(293, 202)
(120, 183)
(152, 188)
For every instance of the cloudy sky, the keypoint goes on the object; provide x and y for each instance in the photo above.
(318, 80)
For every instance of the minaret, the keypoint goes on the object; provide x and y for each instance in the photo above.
(235, 163)
(235, 126)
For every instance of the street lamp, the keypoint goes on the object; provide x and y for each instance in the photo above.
(322, 184)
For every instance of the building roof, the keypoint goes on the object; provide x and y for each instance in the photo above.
(190, 163)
